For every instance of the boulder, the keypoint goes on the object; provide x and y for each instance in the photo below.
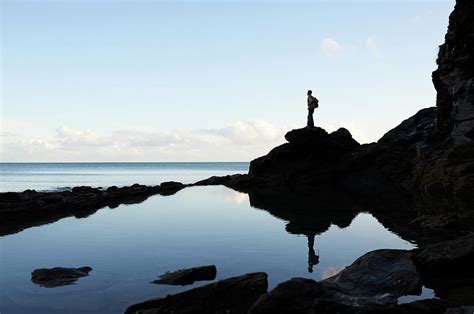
(310, 160)
(295, 296)
(230, 296)
(377, 278)
(58, 276)
(188, 276)
(457, 254)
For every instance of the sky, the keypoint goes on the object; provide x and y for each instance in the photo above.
(207, 80)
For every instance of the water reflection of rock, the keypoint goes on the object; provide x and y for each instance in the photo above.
(311, 215)
(307, 215)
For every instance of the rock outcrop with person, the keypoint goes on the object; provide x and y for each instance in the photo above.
(428, 158)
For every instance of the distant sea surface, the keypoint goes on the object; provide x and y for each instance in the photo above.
(56, 176)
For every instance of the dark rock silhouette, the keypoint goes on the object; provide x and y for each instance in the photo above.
(188, 276)
(27, 209)
(58, 276)
(229, 296)
(238, 182)
(294, 296)
(447, 268)
(377, 278)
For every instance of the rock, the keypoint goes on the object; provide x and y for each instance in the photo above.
(452, 254)
(112, 189)
(446, 267)
(414, 129)
(437, 222)
(229, 296)
(58, 276)
(293, 296)
(238, 182)
(429, 306)
(308, 162)
(84, 189)
(188, 276)
(171, 185)
(453, 80)
(460, 310)
(377, 278)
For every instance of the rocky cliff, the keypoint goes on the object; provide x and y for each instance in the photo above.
(428, 158)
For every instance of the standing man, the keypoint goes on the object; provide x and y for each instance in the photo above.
(313, 103)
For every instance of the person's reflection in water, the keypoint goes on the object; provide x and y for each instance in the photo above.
(313, 259)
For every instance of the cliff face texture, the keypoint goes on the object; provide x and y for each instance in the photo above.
(428, 158)
(454, 78)
(446, 174)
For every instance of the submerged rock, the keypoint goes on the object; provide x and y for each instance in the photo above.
(230, 296)
(58, 276)
(188, 276)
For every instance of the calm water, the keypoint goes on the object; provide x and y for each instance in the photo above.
(50, 176)
(131, 245)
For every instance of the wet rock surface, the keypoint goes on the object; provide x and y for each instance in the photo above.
(229, 296)
(188, 276)
(452, 254)
(377, 278)
(293, 296)
(58, 276)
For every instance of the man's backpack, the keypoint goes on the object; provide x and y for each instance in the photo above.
(316, 103)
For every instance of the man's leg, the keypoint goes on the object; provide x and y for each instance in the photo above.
(310, 118)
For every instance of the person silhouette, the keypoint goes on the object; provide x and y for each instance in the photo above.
(313, 103)
(313, 259)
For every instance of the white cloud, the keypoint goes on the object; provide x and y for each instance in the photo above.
(331, 47)
(372, 45)
(239, 141)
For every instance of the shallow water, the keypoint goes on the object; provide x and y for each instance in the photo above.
(131, 245)
(51, 176)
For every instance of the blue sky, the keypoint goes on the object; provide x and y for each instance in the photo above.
(207, 81)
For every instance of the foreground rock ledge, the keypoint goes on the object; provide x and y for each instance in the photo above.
(376, 279)
(230, 296)
(58, 276)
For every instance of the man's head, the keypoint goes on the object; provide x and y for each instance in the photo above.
(309, 92)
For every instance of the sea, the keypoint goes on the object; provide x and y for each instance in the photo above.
(130, 245)
(15, 177)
